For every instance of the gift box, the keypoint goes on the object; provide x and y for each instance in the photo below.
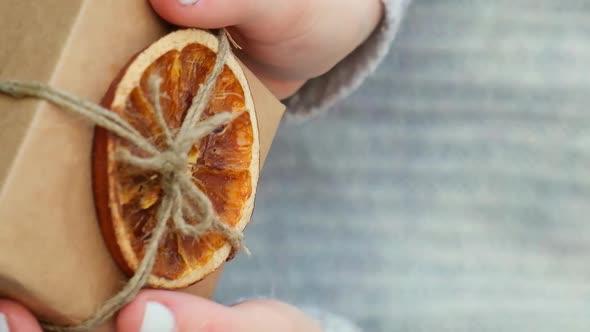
(53, 258)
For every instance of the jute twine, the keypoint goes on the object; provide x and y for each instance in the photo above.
(181, 200)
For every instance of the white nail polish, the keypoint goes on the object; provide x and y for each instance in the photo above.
(156, 318)
(188, 2)
(3, 323)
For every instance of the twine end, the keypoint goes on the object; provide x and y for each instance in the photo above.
(247, 250)
(232, 40)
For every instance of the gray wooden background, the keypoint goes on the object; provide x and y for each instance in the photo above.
(450, 193)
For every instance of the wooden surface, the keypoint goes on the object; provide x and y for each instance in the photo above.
(452, 192)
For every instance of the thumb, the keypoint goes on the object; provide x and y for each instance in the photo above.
(16, 318)
(165, 311)
(210, 14)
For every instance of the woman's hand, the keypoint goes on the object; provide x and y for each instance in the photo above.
(284, 42)
(167, 311)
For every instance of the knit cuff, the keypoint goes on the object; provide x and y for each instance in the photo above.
(323, 92)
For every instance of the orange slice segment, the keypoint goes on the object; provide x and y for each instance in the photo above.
(224, 164)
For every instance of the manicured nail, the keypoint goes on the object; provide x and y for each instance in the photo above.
(157, 318)
(188, 2)
(3, 323)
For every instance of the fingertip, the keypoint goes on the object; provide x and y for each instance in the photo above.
(16, 318)
(163, 311)
(150, 306)
(204, 14)
(129, 318)
(166, 10)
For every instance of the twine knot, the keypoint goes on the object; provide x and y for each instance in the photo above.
(172, 163)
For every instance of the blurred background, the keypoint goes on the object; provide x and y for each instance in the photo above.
(451, 192)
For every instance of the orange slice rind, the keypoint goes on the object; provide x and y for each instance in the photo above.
(224, 164)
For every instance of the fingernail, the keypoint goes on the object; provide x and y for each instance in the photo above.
(188, 2)
(157, 318)
(3, 323)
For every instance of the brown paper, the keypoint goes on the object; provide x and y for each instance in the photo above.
(52, 255)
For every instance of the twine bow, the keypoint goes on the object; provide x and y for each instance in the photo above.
(182, 199)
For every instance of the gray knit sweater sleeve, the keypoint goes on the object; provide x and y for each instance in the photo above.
(325, 91)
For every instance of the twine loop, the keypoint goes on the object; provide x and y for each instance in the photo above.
(182, 200)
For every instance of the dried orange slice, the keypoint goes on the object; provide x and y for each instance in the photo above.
(224, 164)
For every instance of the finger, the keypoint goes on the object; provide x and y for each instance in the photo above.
(16, 318)
(271, 316)
(164, 311)
(209, 14)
